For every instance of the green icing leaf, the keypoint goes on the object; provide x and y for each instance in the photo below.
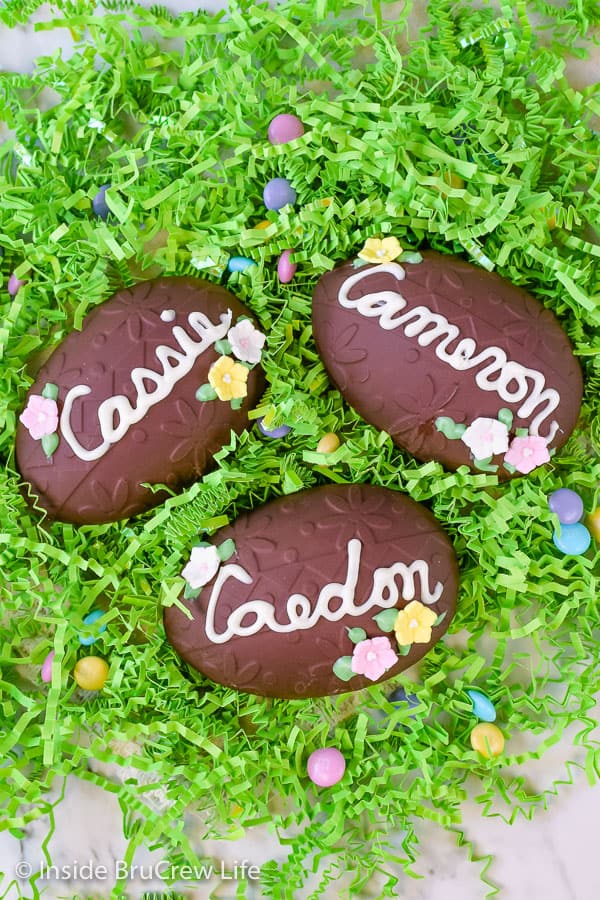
(357, 635)
(386, 619)
(440, 618)
(226, 550)
(404, 649)
(409, 256)
(486, 464)
(522, 432)
(236, 403)
(223, 347)
(50, 443)
(342, 668)
(451, 429)
(506, 417)
(206, 392)
(191, 593)
(50, 391)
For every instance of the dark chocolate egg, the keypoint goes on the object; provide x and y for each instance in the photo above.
(455, 363)
(115, 408)
(328, 590)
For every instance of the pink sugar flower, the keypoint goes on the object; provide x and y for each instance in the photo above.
(246, 341)
(373, 657)
(40, 416)
(527, 453)
(203, 565)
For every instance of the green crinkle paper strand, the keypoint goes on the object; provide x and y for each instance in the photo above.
(172, 112)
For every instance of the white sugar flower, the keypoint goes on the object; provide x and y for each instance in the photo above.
(246, 341)
(486, 437)
(203, 564)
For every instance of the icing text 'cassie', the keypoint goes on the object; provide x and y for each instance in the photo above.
(175, 365)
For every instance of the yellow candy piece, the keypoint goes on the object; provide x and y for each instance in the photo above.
(487, 739)
(91, 673)
(452, 180)
(328, 443)
(593, 524)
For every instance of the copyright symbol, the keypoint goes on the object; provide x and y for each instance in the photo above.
(23, 869)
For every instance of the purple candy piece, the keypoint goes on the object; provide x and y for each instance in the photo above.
(278, 193)
(567, 505)
(286, 269)
(279, 432)
(284, 128)
(14, 284)
(326, 767)
(99, 203)
(47, 667)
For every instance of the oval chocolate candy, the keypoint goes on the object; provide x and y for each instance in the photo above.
(328, 590)
(119, 401)
(455, 363)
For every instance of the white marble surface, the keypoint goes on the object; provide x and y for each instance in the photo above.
(551, 857)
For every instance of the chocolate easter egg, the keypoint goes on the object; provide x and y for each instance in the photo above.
(328, 590)
(455, 363)
(114, 408)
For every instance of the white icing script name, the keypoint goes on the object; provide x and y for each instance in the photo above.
(175, 365)
(430, 327)
(298, 608)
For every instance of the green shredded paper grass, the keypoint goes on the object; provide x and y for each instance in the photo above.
(172, 113)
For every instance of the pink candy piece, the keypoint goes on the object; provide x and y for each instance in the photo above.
(47, 667)
(284, 128)
(14, 284)
(286, 269)
(326, 767)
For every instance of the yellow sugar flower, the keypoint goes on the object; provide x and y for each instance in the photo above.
(414, 623)
(380, 251)
(228, 378)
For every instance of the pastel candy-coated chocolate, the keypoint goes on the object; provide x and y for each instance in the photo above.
(487, 739)
(279, 432)
(286, 269)
(567, 505)
(278, 193)
(399, 695)
(92, 617)
(239, 263)
(326, 767)
(46, 670)
(91, 673)
(99, 204)
(307, 568)
(573, 540)
(14, 284)
(593, 523)
(329, 443)
(409, 344)
(483, 707)
(176, 437)
(285, 127)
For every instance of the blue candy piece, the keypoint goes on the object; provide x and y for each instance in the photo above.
(573, 539)
(279, 432)
(99, 203)
(278, 193)
(399, 695)
(567, 505)
(239, 263)
(89, 620)
(483, 707)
